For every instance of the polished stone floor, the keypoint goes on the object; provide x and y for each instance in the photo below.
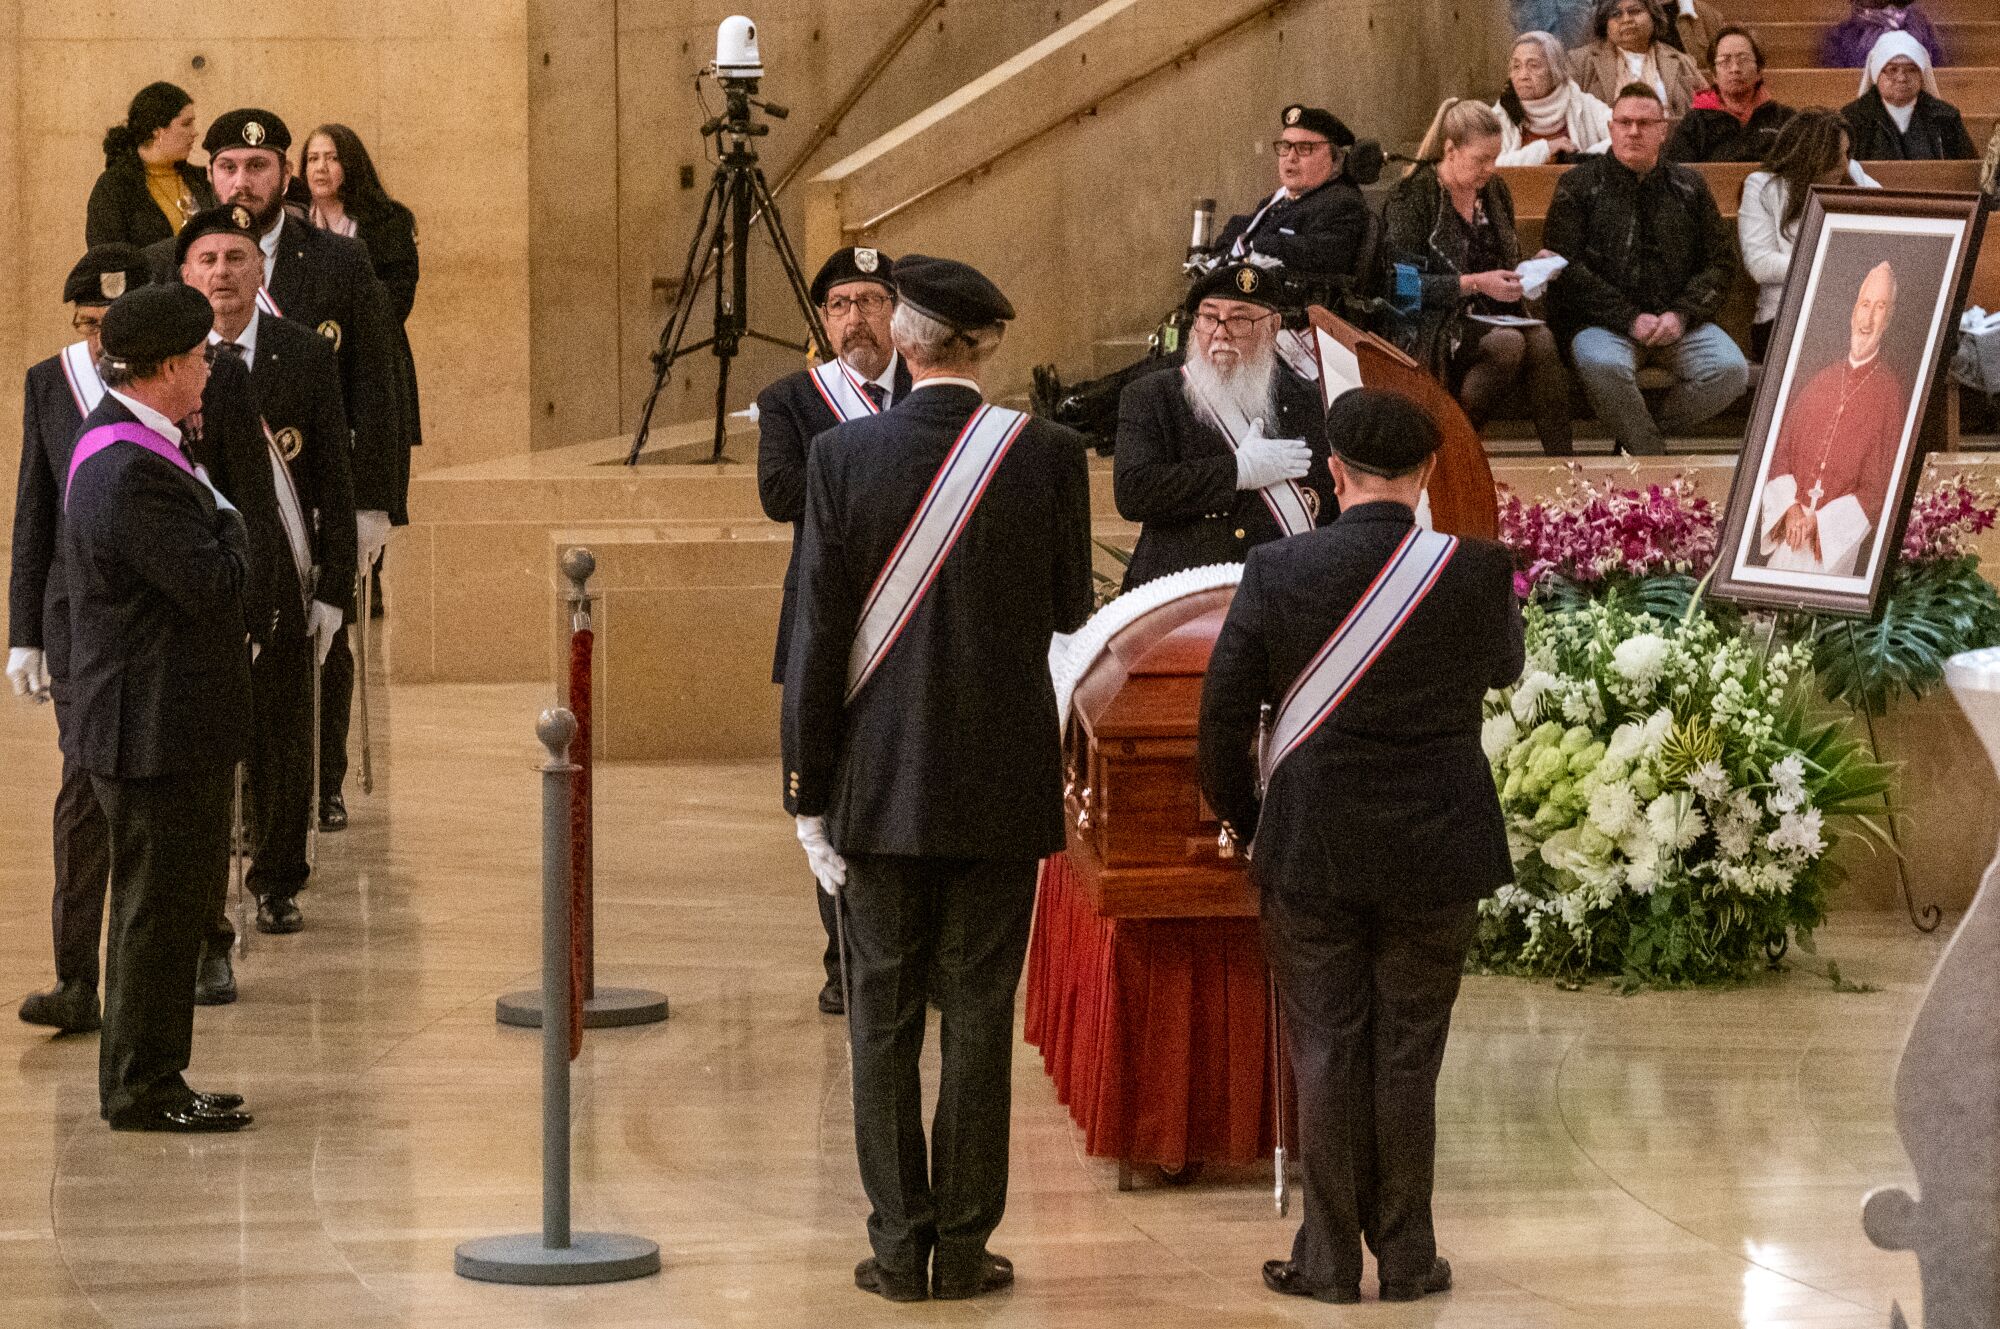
(1656, 1162)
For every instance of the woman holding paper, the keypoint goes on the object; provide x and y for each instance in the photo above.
(1451, 220)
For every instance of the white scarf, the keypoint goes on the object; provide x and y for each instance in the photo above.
(1549, 116)
(1886, 48)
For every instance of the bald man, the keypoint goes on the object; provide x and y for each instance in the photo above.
(1829, 476)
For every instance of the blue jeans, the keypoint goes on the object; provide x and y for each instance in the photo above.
(1708, 369)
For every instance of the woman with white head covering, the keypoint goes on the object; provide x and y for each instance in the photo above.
(1544, 115)
(1899, 115)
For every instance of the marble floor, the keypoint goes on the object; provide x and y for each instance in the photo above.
(1656, 1162)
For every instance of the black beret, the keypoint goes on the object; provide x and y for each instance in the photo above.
(1380, 431)
(853, 264)
(246, 128)
(1238, 281)
(155, 323)
(1324, 123)
(956, 294)
(229, 219)
(105, 273)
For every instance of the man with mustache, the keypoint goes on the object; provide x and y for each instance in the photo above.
(1228, 450)
(1830, 472)
(865, 377)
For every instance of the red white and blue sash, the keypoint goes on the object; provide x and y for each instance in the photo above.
(104, 436)
(86, 386)
(292, 514)
(1286, 499)
(939, 521)
(267, 304)
(842, 391)
(1355, 645)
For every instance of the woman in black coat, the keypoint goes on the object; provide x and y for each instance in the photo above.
(1899, 116)
(1451, 220)
(147, 189)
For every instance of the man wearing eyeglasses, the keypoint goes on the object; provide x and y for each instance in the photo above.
(1315, 221)
(1649, 264)
(1226, 451)
(865, 377)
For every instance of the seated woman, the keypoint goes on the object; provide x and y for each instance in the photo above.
(1899, 116)
(147, 189)
(1452, 219)
(1544, 117)
(1737, 120)
(1811, 150)
(1846, 45)
(1634, 45)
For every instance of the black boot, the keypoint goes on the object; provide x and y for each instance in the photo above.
(70, 1007)
(215, 980)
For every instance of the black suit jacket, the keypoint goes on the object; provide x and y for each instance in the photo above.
(1317, 236)
(790, 414)
(391, 238)
(1937, 131)
(1391, 799)
(1175, 475)
(226, 438)
(159, 676)
(951, 749)
(296, 380)
(1708, 134)
(121, 208)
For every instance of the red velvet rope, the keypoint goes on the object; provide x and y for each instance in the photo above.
(582, 942)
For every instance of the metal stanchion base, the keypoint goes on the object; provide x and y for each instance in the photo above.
(591, 1257)
(609, 1009)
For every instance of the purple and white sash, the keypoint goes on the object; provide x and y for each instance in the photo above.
(292, 514)
(1353, 648)
(86, 385)
(1287, 500)
(267, 304)
(102, 437)
(842, 391)
(939, 521)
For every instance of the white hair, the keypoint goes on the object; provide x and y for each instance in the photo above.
(1250, 384)
(930, 341)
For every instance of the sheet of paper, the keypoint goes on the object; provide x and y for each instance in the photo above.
(1339, 370)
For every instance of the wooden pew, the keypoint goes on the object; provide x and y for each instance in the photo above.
(1796, 44)
(1973, 89)
(1832, 11)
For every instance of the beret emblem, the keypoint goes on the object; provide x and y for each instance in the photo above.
(253, 133)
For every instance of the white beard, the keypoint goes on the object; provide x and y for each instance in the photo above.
(1251, 386)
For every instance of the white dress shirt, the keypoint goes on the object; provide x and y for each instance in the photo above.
(247, 338)
(149, 417)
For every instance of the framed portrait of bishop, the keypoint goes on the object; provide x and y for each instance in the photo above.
(1851, 398)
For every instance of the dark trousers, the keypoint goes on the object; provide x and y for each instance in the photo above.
(958, 929)
(280, 773)
(1492, 361)
(829, 919)
(83, 871)
(1367, 996)
(336, 698)
(169, 845)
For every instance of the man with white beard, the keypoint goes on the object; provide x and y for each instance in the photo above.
(865, 377)
(1227, 451)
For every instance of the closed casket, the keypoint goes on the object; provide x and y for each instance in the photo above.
(1142, 840)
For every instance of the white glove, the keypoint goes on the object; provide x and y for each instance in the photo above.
(323, 624)
(28, 671)
(371, 536)
(221, 502)
(1261, 461)
(828, 867)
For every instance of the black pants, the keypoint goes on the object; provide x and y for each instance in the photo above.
(1367, 996)
(1490, 363)
(336, 699)
(958, 927)
(829, 958)
(169, 846)
(280, 774)
(83, 871)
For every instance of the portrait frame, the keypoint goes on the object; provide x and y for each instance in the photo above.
(1937, 236)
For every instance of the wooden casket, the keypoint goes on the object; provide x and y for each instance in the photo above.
(1142, 840)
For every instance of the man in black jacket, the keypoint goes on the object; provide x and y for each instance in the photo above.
(1376, 830)
(156, 561)
(865, 377)
(1315, 221)
(296, 383)
(922, 759)
(1649, 264)
(1226, 451)
(1737, 120)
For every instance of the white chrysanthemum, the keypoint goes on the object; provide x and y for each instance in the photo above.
(1613, 808)
(1658, 725)
(1798, 833)
(1627, 742)
(1710, 781)
(1674, 821)
(1640, 658)
(1732, 838)
(1643, 875)
(1788, 783)
(1528, 693)
(1499, 733)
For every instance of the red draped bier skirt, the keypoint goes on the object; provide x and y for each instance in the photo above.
(1155, 1030)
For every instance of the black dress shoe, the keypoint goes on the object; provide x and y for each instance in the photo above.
(1283, 1276)
(186, 1120)
(70, 1007)
(333, 813)
(830, 1000)
(214, 1103)
(1438, 1280)
(277, 914)
(990, 1274)
(870, 1276)
(215, 980)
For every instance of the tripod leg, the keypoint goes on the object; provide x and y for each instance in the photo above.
(693, 272)
(1281, 1194)
(788, 258)
(721, 403)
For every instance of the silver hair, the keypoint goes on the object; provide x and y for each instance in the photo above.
(932, 341)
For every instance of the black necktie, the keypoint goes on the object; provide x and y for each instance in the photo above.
(234, 350)
(876, 394)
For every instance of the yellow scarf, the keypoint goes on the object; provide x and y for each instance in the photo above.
(164, 183)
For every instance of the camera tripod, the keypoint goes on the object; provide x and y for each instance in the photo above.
(738, 196)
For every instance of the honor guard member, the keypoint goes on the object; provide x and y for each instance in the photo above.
(156, 560)
(1227, 450)
(325, 282)
(946, 541)
(1316, 220)
(1376, 830)
(864, 378)
(296, 384)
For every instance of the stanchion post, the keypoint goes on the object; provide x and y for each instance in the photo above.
(556, 1255)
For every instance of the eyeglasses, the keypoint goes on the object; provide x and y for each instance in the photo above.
(1236, 325)
(842, 305)
(1732, 61)
(1629, 124)
(1632, 12)
(87, 324)
(1284, 147)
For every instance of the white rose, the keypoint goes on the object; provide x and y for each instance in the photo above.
(1640, 658)
(1499, 733)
